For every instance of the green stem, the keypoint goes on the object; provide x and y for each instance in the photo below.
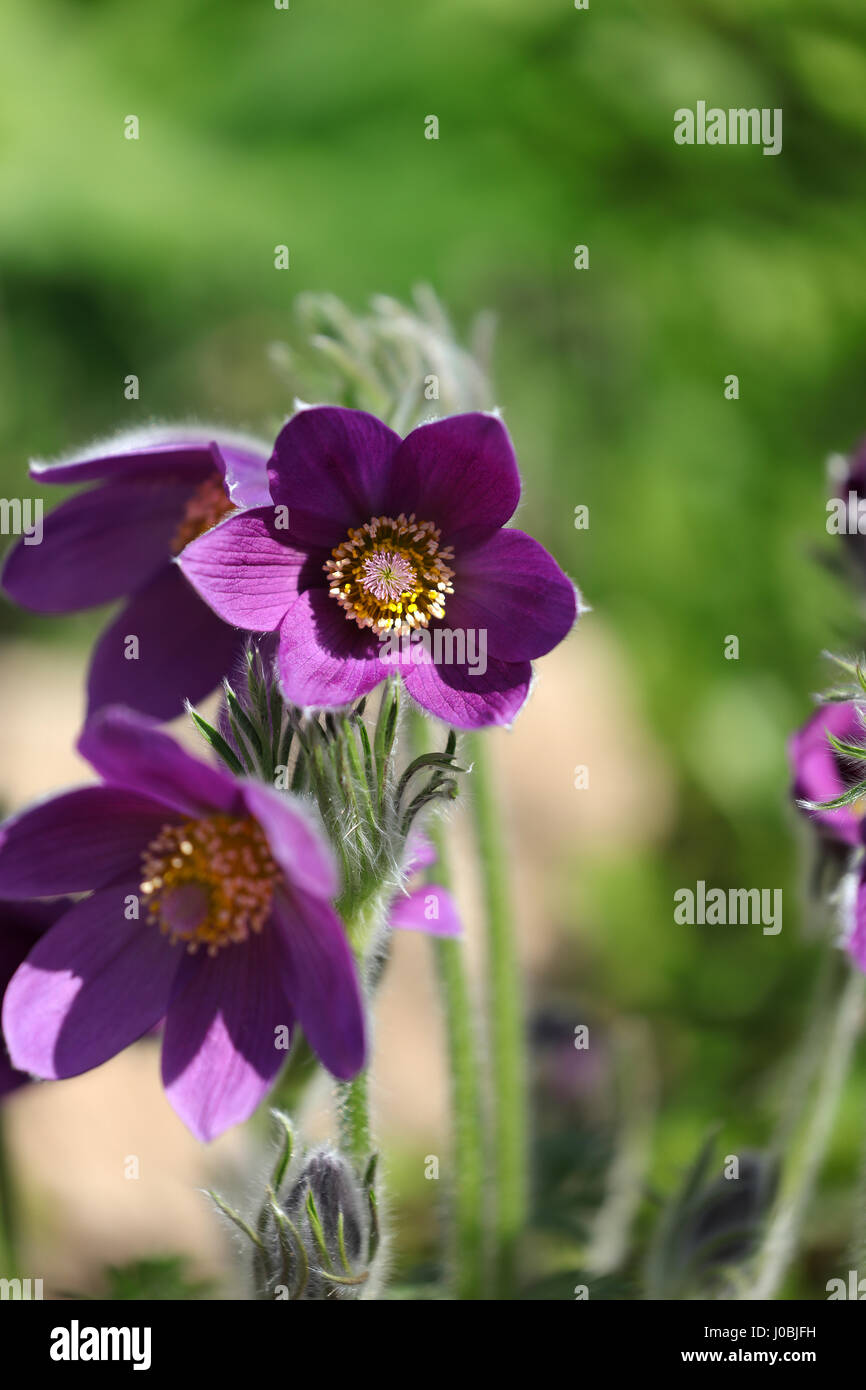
(354, 1117)
(506, 1027)
(468, 1246)
(8, 1222)
(809, 1145)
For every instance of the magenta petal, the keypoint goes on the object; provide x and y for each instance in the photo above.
(126, 748)
(419, 853)
(221, 1049)
(98, 546)
(511, 589)
(324, 659)
(460, 473)
(456, 696)
(134, 453)
(429, 909)
(321, 980)
(246, 570)
(90, 987)
(184, 651)
(296, 842)
(77, 841)
(331, 468)
(818, 770)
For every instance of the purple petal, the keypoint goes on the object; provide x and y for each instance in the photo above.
(420, 852)
(819, 773)
(90, 987)
(429, 909)
(128, 749)
(246, 570)
(244, 469)
(456, 696)
(460, 473)
(184, 651)
(331, 468)
(296, 842)
(324, 658)
(77, 841)
(135, 453)
(220, 1052)
(98, 546)
(321, 980)
(21, 925)
(512, 590)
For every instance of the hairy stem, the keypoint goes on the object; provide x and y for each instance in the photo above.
(506, 1029)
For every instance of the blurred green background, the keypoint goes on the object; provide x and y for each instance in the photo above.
(306, 127)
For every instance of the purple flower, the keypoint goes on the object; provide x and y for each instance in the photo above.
(155, 490)
(381, 554)
(820, 773)
(210, 908)
(21, 926)
(427, 908)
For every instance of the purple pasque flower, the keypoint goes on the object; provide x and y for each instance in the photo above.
(152, 492)
(21, 926)
(821, 774)
(381, 553)
(210, 907)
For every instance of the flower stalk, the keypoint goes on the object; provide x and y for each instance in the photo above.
(506, 1031)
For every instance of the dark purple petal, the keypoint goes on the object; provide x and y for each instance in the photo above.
(470, 701)
(244, 468)
(134, 453)
(221, 1048)
(296, 842)
(77, 841)
(321, 980)
(429, 909)
(324, 658)
(460, 473)
(90, 987)
(128, 749)
(98, 546)
(819, 773)
(184, 651)
(512, 590)
(246, 570)
(331, 468)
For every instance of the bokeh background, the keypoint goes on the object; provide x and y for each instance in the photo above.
(155, 257)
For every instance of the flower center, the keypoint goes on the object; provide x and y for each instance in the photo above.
(391, 573)
(209, 504)
(209, 882)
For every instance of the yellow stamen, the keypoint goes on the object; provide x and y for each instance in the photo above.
(209, 882)
(391, 574)
(209, 504)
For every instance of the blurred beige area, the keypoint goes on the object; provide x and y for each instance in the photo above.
(82, 1206)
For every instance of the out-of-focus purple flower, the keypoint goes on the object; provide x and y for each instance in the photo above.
(21, 926)
(210, 907)
(820, 773)
(154, 491)
(383, 554)
(428, 907)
